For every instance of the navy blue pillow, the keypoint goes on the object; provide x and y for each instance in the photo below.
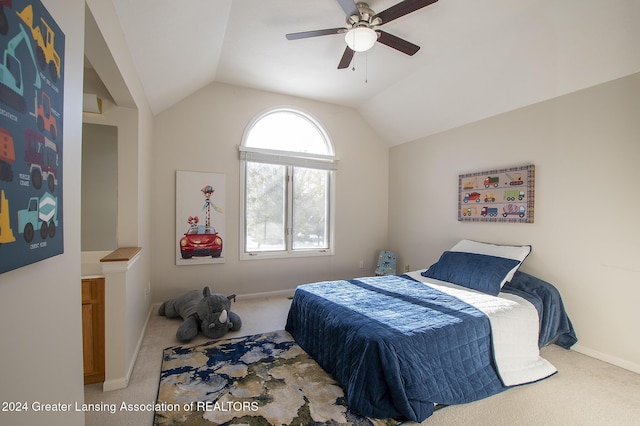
(475, 271)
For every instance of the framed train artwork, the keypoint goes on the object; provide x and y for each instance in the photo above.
(503, 195)
(31, 134)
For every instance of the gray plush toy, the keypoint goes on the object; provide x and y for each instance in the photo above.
(202, 310)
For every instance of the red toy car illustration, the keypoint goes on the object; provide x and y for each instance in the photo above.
(200, 240)
(473, 196)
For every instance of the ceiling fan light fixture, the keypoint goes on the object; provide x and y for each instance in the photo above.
(360, 39)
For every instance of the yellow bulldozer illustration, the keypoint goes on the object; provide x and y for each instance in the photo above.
(46, 54)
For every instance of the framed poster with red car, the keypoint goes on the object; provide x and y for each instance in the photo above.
(200, 219)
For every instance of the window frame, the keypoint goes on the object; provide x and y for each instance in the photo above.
(291, 160)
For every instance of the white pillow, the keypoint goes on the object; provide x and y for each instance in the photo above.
(519, 253)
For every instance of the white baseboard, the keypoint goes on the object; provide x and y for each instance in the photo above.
(123, 382)
(279, 293)
(618, 362)
(139, 344)
(115, 384)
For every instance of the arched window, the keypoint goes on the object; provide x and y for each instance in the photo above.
(287, 166)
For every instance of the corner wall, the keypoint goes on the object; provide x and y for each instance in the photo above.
(585, 147)
(40, 304)
(203, 132)
(109, 54)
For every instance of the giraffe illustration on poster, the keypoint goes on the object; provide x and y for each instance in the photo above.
(200, 225)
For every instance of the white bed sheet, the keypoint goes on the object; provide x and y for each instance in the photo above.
(514, 331)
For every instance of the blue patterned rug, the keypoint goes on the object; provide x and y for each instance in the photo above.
(265, 379)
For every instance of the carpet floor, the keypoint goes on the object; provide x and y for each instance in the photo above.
(586, 391)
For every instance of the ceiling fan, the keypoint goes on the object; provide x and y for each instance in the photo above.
(361, 32)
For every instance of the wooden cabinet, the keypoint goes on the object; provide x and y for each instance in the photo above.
(93, 329)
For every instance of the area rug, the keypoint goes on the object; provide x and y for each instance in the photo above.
(264, 379)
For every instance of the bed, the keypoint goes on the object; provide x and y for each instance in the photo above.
(468, 327)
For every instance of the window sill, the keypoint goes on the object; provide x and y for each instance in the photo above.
(258, 255)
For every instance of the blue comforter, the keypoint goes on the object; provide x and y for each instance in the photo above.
(395, 345)
(555, 325)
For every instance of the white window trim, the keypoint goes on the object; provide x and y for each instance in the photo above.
(293, 110)
(288, 253)
(290, 159)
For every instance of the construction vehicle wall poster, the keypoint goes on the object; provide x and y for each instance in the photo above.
(31, 134)
(502, 195)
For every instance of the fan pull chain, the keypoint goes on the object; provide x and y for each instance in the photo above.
(354, 54)
(366, 67)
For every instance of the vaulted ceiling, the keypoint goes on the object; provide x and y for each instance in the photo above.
(477, 58)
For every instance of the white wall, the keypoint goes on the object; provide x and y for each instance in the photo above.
(40, 306)
(109, 54)
(127, 123)
(99, 187)
(586, 149)
(203, 132)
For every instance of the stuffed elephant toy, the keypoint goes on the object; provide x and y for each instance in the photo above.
(202, 310)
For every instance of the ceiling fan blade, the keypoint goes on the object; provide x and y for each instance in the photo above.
(349, 7)
(315, 33)
(347, 56)
(397, 43)
(403, 8)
